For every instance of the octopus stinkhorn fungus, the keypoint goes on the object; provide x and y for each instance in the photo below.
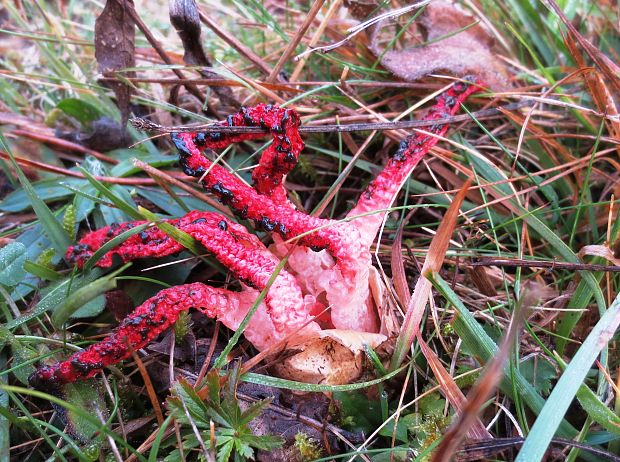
(328, 265)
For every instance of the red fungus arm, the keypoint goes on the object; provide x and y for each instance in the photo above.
(382, 191)
(239, 251)
(146, 322)
(279, 157)
(248, 203)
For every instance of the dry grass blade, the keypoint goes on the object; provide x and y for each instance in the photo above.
(333, 8)
(489, 381)
(398, 265)
(598, 90)
(451, 390)
(314, 10)
(150, 391)
(607, 66)
(421, 292)
(236, 44)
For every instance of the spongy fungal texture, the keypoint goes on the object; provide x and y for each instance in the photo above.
(328, 264)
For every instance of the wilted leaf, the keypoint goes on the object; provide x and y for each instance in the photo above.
(12, 258)
(458, 46)
(599, 251)
(115, 48)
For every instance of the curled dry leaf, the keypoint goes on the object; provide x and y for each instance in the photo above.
(115, 49)
(185, 17)
(599, 251)
(333, 357)
(450, 51)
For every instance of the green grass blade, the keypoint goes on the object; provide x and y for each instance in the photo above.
(276, 382)
(54, 297)
(52, 227)
(565, 390)
(101, 426)
(476, 340)
(84, 294)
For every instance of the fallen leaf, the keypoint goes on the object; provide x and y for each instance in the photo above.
(599, 251)
(448, 51)
(104, 135)
(115, 50)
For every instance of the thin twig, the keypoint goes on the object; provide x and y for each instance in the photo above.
(553, 265)
(280, 86)
(155, 173)
(148, 126)
(64, 144)
(63, 171)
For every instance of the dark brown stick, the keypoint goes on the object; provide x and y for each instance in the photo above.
(559, 265)
(145, 125)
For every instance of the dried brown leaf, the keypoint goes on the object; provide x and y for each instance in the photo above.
(465, 52)
(599, 251)
(115, 49)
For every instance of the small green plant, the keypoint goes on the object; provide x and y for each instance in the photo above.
(234, 439)
(309, 448)
(182, 327)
